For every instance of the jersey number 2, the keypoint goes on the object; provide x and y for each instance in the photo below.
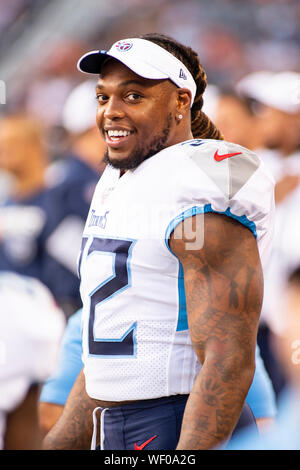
(124, 346)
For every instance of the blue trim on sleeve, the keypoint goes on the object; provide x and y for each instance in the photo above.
(182, 323)
(240, 218)
(176, 221)
(195, 210)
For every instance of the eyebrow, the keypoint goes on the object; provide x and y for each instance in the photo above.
(123, 84)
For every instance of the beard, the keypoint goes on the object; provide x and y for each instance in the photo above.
(140, 154)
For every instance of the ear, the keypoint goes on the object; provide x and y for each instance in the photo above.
(183, 100)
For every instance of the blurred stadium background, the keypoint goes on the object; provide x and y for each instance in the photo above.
(40, 43)
(41, 40)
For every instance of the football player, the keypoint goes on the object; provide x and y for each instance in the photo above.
(171, 261)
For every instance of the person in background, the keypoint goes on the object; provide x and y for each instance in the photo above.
(275, 97)
(284, 434)
(234, 115)
(33, 213)
(72, 180)
(41, 222)
(23, 215)
(56, 389)
(31, 327)
(277, 105)
(85, 150)
(6, 184)
(52, 80)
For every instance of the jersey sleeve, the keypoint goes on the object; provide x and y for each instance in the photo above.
(225, 178)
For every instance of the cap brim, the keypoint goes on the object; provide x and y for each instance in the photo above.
(92, 62)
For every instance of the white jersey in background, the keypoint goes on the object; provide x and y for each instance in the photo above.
(136, 343)
(31, 327)
(286, 249)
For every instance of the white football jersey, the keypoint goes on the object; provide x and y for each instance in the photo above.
(136, 342)
(31, 327)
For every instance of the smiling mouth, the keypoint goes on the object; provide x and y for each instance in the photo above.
(115, 136)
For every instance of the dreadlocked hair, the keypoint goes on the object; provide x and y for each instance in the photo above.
(202, 127)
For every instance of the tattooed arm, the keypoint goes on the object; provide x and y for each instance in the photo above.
(223, 285)
(73, 430)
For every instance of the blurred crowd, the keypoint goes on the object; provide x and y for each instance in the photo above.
(51, 153)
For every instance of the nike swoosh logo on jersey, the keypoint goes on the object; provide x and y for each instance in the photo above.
(219, 158)
(141, 447)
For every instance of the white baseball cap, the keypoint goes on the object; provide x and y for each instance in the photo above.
(79, 111)
(211, 100)
(279, 90)
(146, 59)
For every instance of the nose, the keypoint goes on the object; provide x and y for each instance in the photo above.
(113, 109)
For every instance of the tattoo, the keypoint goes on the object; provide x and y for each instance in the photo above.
(234, 300)
(223, 422)
(73, 430)
(203, 422)
(223, 284)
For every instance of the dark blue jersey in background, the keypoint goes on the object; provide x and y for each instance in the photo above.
(41, 234)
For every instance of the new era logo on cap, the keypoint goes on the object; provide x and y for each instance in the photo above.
(124, 46)
(182, 75)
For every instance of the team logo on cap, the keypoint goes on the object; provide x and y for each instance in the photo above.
(124, 46)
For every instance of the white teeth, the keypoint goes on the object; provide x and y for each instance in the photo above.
(116, 133)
